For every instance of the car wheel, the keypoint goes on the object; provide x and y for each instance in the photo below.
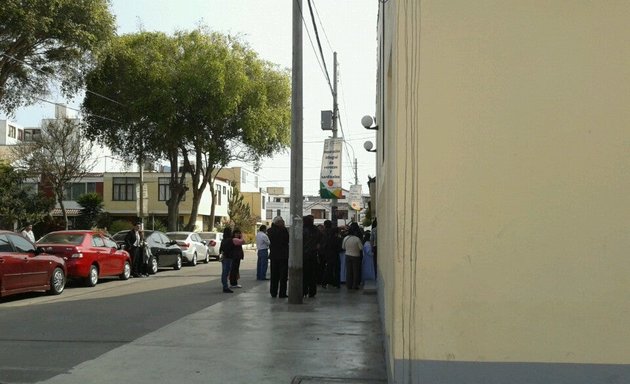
(178, 263)
(193, 262)
(153, 265)
(126, 271)
(57, 282)
(92, 277)
(207, 259)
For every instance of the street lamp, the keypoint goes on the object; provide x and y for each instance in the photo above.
(368, 146)
(367, 121)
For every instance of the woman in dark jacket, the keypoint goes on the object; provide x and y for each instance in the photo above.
(237, 256)
(226, 248)
(279, 256)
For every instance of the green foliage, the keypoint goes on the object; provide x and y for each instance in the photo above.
(91, 208)
(60, 155)
(18, 203)
(44, 40)
(367, 219)
(201, 96)
(239, 211)
(120, 225)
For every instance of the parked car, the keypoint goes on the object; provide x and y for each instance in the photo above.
(192, 246)
(88, 254)
(164, 252)
(24, 268)
(213, 242)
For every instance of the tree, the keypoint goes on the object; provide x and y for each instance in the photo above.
(18, 203)
(60, 155)
(239, 211)
(136, 70)
(42, 40)
(202, 97)
(91, 209)
(234, 105)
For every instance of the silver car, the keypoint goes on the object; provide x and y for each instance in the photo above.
(192, 246)
(213, 241)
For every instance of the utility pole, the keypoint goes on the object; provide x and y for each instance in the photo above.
(335, 117)
(296, 198)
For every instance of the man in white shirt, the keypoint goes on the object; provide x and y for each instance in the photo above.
(28, 233)
(262, 244)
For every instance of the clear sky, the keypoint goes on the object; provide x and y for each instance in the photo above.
(347, 27)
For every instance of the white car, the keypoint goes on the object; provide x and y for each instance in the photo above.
(213, 241)
(192, 246)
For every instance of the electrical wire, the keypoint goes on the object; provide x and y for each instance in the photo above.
(319, 44)
(58, 79)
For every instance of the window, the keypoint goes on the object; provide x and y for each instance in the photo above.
(20, 135)
(21, 244)
(269, 214)
(5, 246)
(256, 181)
(243, 177)
(72, 191)
(97, 241)
(277, 199)
(224, 192)
(109, 243)
(342, 214)
(318, 213)
(124, 188)
(164, 192)
(12, 131)
(217, 199)
(278, 212)
(263, 202)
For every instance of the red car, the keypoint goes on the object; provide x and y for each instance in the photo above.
(88, 254)
(23, 268)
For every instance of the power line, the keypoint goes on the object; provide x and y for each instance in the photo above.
(319, 44)
(58, 79)
(322, 25)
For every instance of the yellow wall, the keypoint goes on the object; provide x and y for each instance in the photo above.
(502, 200)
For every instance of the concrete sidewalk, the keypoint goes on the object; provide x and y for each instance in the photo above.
(253, 338)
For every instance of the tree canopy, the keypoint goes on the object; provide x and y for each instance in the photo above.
(60, 155)
(19, 203)
(201, 97)
(43, 40)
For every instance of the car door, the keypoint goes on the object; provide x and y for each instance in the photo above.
(10, 265)
(101, 255)
(34, 270)
(201, 247)
(170, 251)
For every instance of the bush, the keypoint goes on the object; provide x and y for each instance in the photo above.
(120, 225)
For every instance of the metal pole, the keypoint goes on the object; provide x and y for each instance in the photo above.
(296, 198)
(333, 202)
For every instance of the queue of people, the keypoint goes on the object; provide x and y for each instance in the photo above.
(331, 256)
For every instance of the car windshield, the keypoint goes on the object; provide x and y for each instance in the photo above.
(62, 238)
(208, 235)
(177, 236)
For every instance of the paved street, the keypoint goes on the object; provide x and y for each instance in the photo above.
(42, 336)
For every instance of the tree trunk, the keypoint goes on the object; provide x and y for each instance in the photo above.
(212, 205)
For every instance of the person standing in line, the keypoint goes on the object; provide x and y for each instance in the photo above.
(28, 232)
(367, 262)
(321, 257)
(353, 246)
(237, 256)
(262, 244)
(373, 243)
(133, 242)
(311, 238)
(279, 256)
(225, 250)
(331, 246)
